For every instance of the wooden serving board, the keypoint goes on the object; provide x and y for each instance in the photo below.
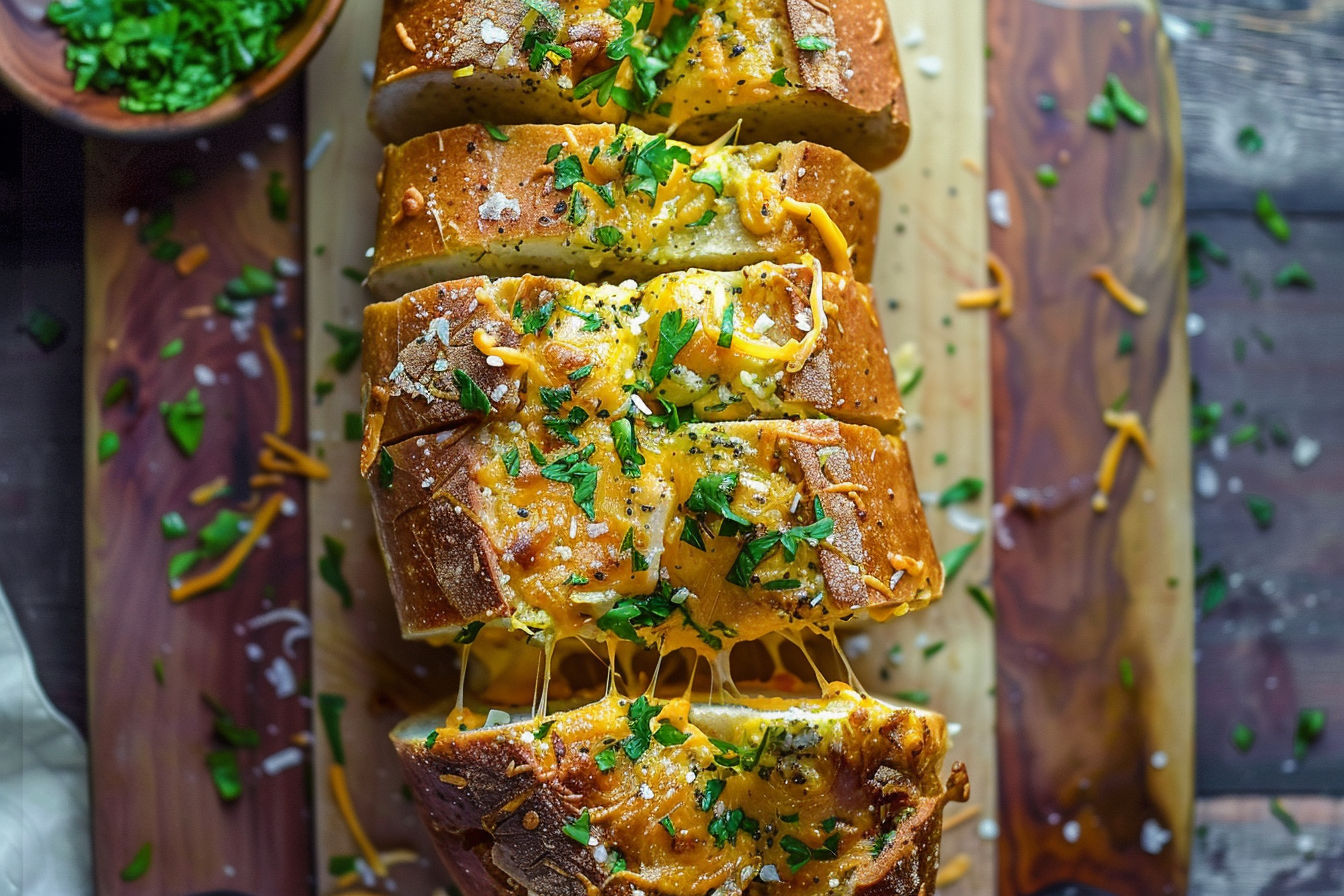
(1097, 773)
(148, 740)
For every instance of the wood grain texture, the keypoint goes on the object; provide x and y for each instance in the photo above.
(360, 653)
(931, 246)
(1079, 591)
(148, 741)
(32, 64)
(1277, 65)
(1243, 850)
(1274, 645)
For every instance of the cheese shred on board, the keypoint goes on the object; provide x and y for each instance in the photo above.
(1128, 427)
(283, 402)
(1106, 277)
(233, 560)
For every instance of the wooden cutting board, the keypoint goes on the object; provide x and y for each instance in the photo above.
(1096, 612)
(1077, 593)
(148, 740)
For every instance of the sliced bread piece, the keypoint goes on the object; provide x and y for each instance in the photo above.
(594, 202)
(828, 72)
(698, 538)
(835, 795)
(767, 342)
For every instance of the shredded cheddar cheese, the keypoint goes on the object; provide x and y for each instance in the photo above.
(966, 814)
(1004, 281)
(1128, 427)
(283, 402)
(208, 491)
(389, 857)
(191, 258)
(1106, 277)
(341, 792)
(988, 297)
(954, 870)
(290, 459)
(234, 558)
(830, 233)
(512, 357)
(405, 38)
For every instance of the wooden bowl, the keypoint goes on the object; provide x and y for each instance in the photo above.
(32, 64)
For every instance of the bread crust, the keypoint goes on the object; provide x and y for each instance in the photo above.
(465, 542)
(491, 207)
(443, 63)
(408, 367)
(497, 804)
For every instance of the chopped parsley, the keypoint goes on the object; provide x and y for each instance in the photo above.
(512, 466)
(579, 829)
(1284, 817)
(592, 321)
(724, 828)
(966, 489)
(726, 326)
(568, 170)
(185, 421)
(919, 698)
(712, 494)
(223, 766)
(1310, 727)
(329, 567)
(1126, 667)
(713, 790)
(1128, 107)
(386, 468)
(1243, 738)
(755, 551)
(139, 863)
(1101, 113)
(815, 43)
(495, 132)
(431, 739)
(956, 558)
(640, 715)
(1268, 214)
(780, 78)
(1214, 586)
(666, 822)
(670, 735)
(555, 398)
(627, 447)
(711, 179)
(347, 347)
(277, 196)
(605, 760)
(330, 707)
(608, 236)
(563, 427)
(354, 426)
(109, 443)
(1261, 510)
(172, 349)
(638, 562)
(468, 633)
(538, 318)
(1047, 176)
(574, 470)
(673, 336)
(173, 525)
(174, 58)
(651, 164)
(471, 396)
(1250, 140)
(1294, 274)
(800, 853)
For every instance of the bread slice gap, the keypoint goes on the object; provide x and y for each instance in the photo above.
(600, 203)
(829, 72)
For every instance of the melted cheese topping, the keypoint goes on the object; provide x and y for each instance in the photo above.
(749, 792)
(607, 337)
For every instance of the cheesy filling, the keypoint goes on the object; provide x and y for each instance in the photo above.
(597, 348)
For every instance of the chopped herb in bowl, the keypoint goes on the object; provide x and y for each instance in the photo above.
(169, 55)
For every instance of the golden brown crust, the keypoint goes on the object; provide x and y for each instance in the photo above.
(492, 208)
(443, 63)
(409, 368)
(497, 800)
(465, 542)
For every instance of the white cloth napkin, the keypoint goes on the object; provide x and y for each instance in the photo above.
(45, 835)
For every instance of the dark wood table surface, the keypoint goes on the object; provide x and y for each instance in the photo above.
(1272, 357)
